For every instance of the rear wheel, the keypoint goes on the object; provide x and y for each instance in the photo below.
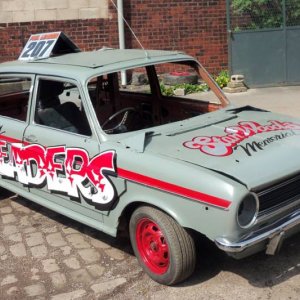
(164, 249)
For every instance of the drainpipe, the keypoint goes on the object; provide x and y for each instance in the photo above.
(229, 36)
(121, 36)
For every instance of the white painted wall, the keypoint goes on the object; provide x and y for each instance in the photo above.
(49, 10)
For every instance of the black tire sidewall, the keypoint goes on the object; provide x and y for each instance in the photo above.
(162, 220)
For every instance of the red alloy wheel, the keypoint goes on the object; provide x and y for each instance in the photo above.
(152, 246)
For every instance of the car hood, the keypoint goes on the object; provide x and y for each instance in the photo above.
(252, 146)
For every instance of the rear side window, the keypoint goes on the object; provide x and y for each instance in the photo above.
(14, 97)
(59, 105)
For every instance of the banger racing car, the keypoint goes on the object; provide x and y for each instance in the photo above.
(129, 157)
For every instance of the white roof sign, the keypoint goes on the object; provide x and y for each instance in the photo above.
(39, 46)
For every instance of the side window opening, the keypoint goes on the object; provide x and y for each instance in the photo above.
(153, 95)
(59, 106)
(14, 97)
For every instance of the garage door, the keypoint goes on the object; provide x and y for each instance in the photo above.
(264, 41)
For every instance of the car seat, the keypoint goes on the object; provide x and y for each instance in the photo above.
(50, 111)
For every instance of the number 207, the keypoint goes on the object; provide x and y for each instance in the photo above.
(37, 49)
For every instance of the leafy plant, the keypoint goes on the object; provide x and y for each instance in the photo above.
(192, 88)
(267, 13)
(222, 79)
(188, 88)
(166, 90)
(169, 90)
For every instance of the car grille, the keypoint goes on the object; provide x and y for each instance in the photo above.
(279, 195)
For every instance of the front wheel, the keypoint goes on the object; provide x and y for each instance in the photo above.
(164, 249)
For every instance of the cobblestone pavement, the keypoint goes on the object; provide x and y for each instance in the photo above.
(44, 255)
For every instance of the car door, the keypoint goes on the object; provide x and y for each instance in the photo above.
(67, 170)
(15, 96)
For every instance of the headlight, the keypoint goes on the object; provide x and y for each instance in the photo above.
(248, 210)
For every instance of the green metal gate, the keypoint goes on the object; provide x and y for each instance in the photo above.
(264, 41)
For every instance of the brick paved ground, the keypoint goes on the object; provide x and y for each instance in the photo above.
(47, 255)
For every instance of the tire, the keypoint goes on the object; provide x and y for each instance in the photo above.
(4, 193)
(163, 248)
(173, 79)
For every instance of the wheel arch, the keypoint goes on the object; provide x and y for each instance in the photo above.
(132, 206)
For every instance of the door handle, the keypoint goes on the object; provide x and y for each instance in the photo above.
(31, 138)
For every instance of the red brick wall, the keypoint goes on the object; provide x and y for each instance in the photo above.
(87, 34)
(197, 27)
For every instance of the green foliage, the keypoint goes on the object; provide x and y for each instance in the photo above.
(188, 88)
(222, 79)
(166, 90)
(267, 13)
(169, 90)
(192, 88)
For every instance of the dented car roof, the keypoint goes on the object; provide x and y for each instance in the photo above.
(86, 64)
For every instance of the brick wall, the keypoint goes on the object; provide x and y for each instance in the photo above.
(87, 34)
(197, 27)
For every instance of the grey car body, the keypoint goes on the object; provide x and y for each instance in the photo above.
(231, 174)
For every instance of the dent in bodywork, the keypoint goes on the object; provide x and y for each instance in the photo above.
(137, 142)
(237, 110)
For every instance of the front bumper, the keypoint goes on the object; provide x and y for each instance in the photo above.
(269, 237)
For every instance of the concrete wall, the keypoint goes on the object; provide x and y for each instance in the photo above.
(12, 11)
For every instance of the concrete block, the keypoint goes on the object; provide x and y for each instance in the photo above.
(104, 13)
(46, 15)
(89, 13)
(23, 16)
(174, 78)
(6, 16)
(235, 90)
(96, 3)
(179, 92)
(52, 4)
(237, 78)
(67, 14)
(103, 4)
(235, 84)
(78, 4)
(13, 5)
(32, 5)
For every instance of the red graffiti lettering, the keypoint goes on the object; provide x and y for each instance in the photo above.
(67, 170)
(224, 145)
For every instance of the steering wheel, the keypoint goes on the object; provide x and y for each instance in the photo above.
(120, 127)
